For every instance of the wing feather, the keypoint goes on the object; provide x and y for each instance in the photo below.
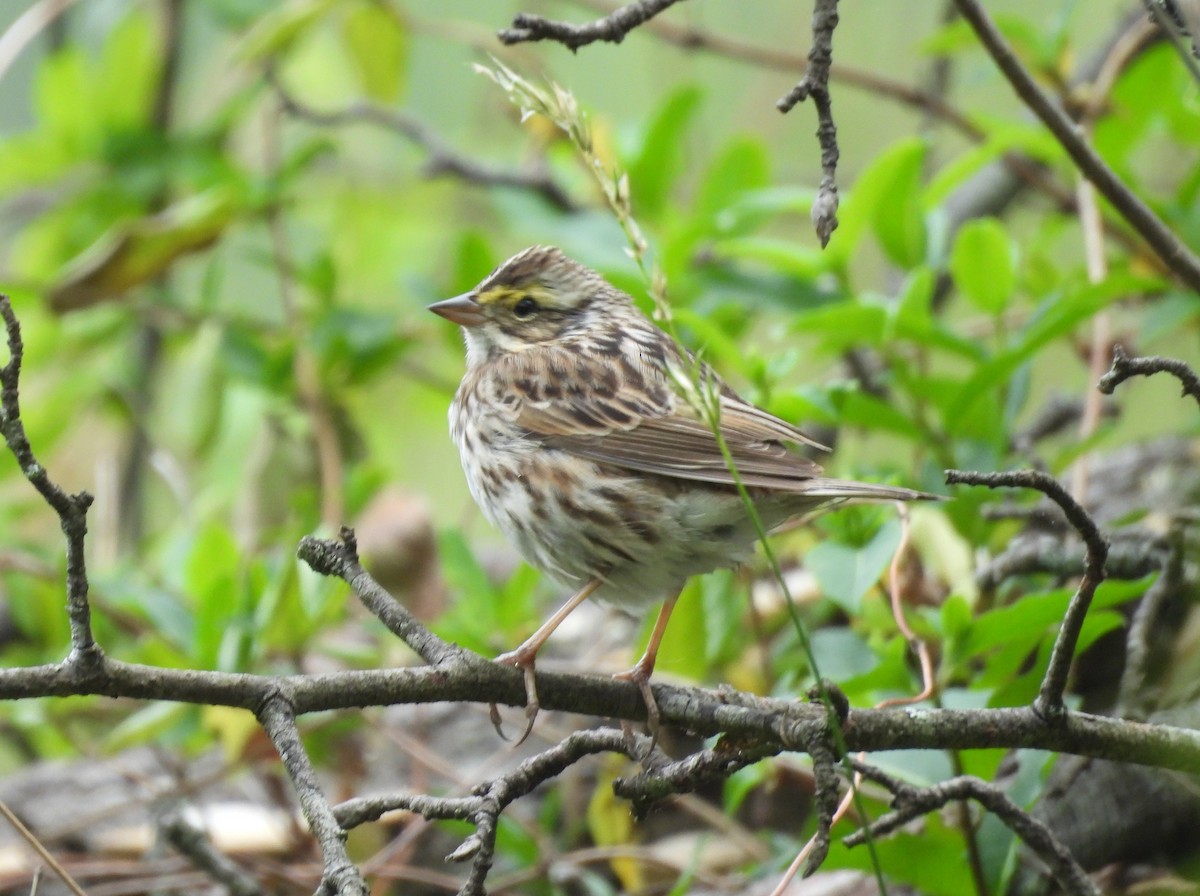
(628, 414)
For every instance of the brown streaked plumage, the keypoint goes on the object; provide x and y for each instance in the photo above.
(579, 445)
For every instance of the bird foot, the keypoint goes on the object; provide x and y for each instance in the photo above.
(640, 676)
(526, 662)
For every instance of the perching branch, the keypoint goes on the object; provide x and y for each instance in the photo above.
(912, 802)
(815, 85)
(1124, 367)
(611, 28)
(1180, 259)
(1049, 703)
(750, 728)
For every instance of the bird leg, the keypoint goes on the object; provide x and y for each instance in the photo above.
(640, 673)
(525, 658)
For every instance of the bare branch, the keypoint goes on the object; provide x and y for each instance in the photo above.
(491, 798)
(71, 509)
(442, 159)
(815, 85)
(1049, 703)
(1124, 367)
(1184, 263)
(612, 28)
(340, 558)
(1132, 693)
(40, 848)
(912, 802)
(341, 877)
(690, 773)
(1131, 555)
(191, 840)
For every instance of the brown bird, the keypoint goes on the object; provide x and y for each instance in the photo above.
(578, 426)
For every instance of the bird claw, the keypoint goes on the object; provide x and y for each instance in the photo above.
(526, 663)
(640, 677)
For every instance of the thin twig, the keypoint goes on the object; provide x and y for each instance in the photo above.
(912, 802)
(815, 86)
(26, 27)
(1049, 703)
(442, 160)
(1040, 553)
(717, 763)
(278, 718)
(1175, 28)
(612, 28)
(193, 842)
(1132, 692)
(491, 798)
(691, 37)
(1092, 226)
(71, 509)
(914, 643)
(340, 558)
(1124, 367)
(37, 846)
(1175, 255)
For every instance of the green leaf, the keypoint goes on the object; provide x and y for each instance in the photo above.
(900, 223)
(842, 654)
(983, 263)
(784, 256)
(128, 73)
(656, 164)
(276, 31)
(723, 602)
(64, 102)
(211, 578)
(147, 724)
(132, 253)
(377, 41)
(1036, 614)
(846, 573)
(1003, 136)
(356, 343)
(858, 408)
(680, 651)
(844, 324)
(743, 166)
(887, 198)
(1057, 317)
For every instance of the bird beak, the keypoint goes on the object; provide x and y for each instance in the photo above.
(462, 310)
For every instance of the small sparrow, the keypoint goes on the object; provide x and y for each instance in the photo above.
(581, 444)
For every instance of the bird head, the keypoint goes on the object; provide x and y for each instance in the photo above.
(538, 296)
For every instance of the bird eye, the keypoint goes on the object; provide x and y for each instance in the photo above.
(526, 308)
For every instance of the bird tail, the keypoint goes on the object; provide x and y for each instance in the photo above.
(847, 490)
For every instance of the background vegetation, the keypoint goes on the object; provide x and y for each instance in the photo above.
(223, 220)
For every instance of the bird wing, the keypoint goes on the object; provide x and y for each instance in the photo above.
(627, 413)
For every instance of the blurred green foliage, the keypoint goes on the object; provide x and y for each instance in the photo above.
(278, 267)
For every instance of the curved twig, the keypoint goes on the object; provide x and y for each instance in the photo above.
(71, 509)
(913, 802)
(442, 159)
(611, 28)
(1049, 703)
(1124, 367)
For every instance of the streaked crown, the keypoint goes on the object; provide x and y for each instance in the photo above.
(538, 296)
